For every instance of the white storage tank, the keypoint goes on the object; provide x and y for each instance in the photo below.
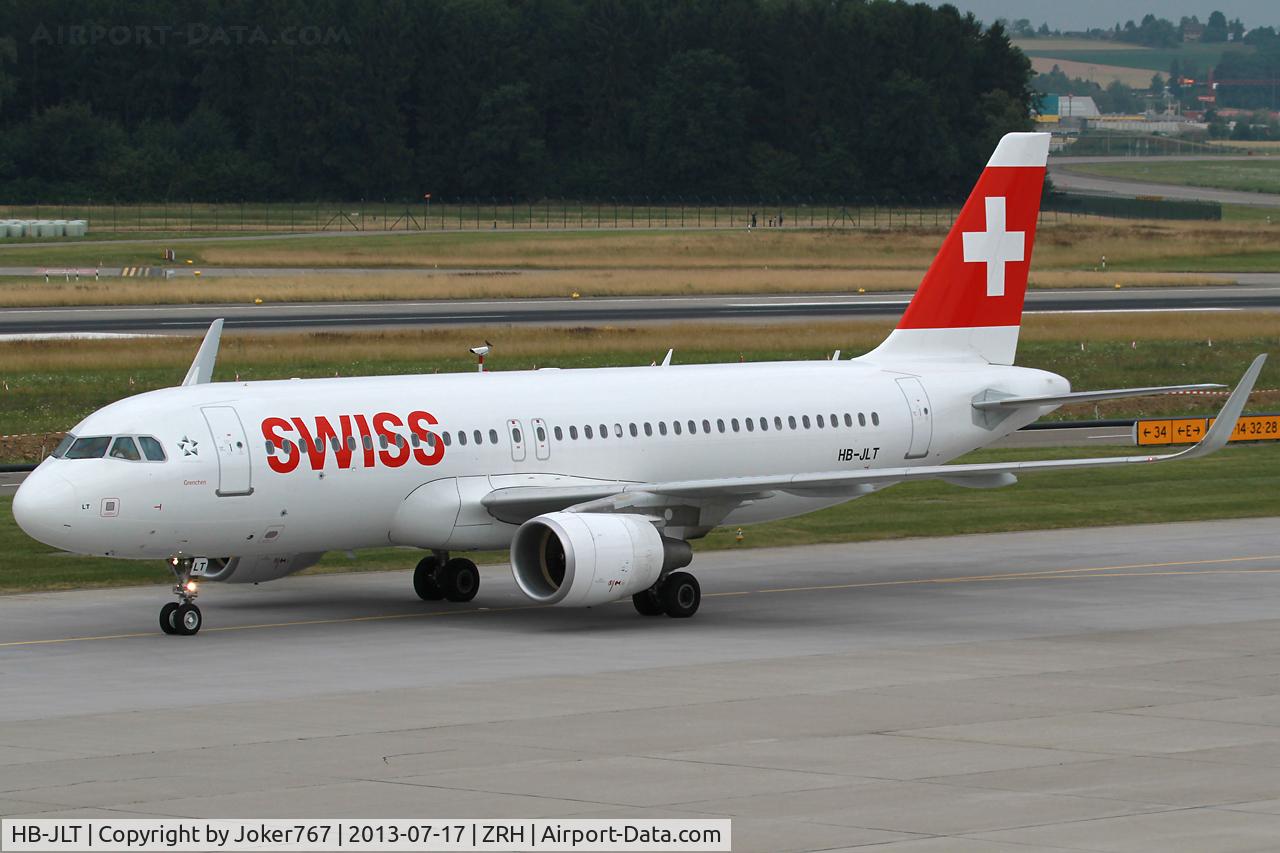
(77, 228)
(19, 228)
(59, 228)
(40, 228)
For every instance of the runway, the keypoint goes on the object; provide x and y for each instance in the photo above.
(1112, 689)
(1065, 178)
(1262, 292)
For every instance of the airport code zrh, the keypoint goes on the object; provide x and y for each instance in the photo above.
(365, 835)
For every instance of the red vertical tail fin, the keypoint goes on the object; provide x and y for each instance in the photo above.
(969, 304)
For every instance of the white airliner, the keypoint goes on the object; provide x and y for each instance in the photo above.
(596, 479)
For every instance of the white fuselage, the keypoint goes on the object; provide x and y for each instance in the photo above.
(218, 493)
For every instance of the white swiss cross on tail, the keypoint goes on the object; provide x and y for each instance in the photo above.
(994, 247)
(952, 315)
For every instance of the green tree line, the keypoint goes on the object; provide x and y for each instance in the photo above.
(237, 100)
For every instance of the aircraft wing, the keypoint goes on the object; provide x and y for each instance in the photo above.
(1088, 396)
(519, 503)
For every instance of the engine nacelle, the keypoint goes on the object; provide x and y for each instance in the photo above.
(583, 559)
(265, 567)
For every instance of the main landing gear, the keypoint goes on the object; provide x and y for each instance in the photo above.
(182, 617)
(677, 595)
(438, 577)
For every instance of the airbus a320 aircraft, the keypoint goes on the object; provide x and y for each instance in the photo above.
(596, 479)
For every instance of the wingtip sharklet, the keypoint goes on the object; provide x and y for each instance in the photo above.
(201, 370)
(1224, 424)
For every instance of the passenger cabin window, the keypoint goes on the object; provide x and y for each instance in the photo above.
(586, 431)
(126, 448)
(573, 433)
(804, 419)
(604, 430)
(559, 434)
(89, 448)
(862, 419)
(479, 439)
(541, 433)
(515, 435)
(848, 419)
(875, 419)
(462, 438)
(493, 435)
(662, 427)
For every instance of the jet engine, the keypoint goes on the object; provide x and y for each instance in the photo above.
(583, 559)
(264, 567)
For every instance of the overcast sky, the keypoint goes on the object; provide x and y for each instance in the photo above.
(1083, 14)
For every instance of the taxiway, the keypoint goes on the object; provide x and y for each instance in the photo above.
(1108, 689)
(1261, 292)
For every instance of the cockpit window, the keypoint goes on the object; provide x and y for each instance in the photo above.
(63, 446)
(89, 448)
(125, 447)
(151, 448)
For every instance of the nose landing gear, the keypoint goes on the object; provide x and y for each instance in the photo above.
(182, 617)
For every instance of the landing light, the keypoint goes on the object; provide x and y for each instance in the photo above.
(191, 586)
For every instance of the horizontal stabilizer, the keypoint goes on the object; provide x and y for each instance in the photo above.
(1088, 396)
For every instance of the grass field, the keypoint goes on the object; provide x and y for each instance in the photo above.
(49, 385)
(1260, 175)
(1147, 59)
(1097, 72)
(604, 263)
(1264, 146)
(1238, 482)
(503, 284)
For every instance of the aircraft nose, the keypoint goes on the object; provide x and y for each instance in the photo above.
(43, 504)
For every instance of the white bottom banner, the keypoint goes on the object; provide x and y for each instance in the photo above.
(365, 835)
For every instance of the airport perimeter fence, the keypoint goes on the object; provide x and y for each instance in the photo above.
(1120, 207)
(512, 215)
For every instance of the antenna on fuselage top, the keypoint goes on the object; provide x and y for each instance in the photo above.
(201, 370)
